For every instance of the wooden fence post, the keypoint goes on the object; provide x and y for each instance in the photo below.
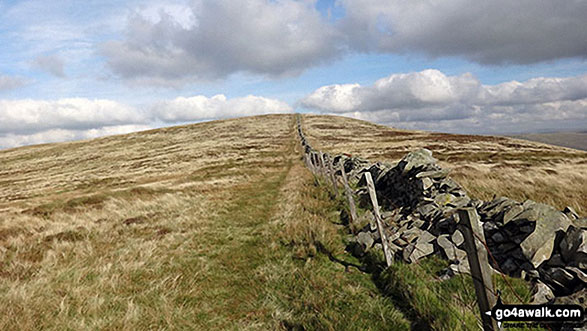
(349, 195)
(315, 163)
(378, 220)
(480, 270)
(321, 164)
(333, 178)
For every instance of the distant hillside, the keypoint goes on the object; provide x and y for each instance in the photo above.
(484, 165)
(576, 140)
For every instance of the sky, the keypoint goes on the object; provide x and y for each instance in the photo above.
(83, 69)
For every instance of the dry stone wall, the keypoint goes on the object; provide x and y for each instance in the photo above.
(419, 203)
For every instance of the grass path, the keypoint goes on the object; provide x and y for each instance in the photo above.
(268, 273)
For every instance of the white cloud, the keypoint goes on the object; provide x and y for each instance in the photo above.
(172, 44)
(24, 122)
(203, 108)
(431, 100)
(17, 116)
(495, 32)
(11, 82)
(218, 38)
(58, 135)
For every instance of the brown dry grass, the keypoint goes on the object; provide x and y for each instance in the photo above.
(206, 226)
(484, 165)
(134, 231)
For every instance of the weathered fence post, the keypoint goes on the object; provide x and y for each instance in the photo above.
(315, 163)
(308, 159)
(349, 195)
(321, 164)
(378, 220)
(480, 269)
(333, 178)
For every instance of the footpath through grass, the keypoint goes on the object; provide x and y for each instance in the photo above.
(269, 272)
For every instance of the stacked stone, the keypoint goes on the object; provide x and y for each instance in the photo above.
(538, 242)
(422, 203)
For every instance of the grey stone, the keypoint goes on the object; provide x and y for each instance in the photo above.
(581, 275)
(387, 215)
(495, 207)
(460, 268)
(436, 174)
(421, 249)
(400, 242)
(418, 223)
(407, 252)
(571, 213)
(574, 247)
(512, 213)
(556, 260)
(458, 238)
(541, 293)
(509, 266)
(365, 239)
(412, 234)
(498, 237)
(538, 246)
(443, 199)
(420, 158)
(426, 183)
(579, 297)
(450, 250)
(560, 276)
(426, 237)
(459, 202)
(476, 204)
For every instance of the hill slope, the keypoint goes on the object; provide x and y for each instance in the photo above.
(577, 140)
(218, 225)
(484, 165)
(206, 226)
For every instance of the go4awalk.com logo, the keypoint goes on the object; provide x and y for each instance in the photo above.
(537, 313)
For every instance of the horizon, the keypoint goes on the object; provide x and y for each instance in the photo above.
(72, 71)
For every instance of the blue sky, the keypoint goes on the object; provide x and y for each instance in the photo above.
(74, 70)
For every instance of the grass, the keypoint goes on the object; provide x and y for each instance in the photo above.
(318, 285)
(182, 248)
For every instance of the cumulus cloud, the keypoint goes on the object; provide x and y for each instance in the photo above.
(490, 32)
(11, 82)
(199, 108)
(58, 135)
(173, 44)
(428, 98)
(22, 116)
(52, 64)
(218, 38)
(24, 122)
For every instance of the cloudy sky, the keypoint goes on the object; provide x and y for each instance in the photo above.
(80, 69)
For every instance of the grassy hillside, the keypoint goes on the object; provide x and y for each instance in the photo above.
(219, 225)
(206, 226)
(577, 140)
(484, 165)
